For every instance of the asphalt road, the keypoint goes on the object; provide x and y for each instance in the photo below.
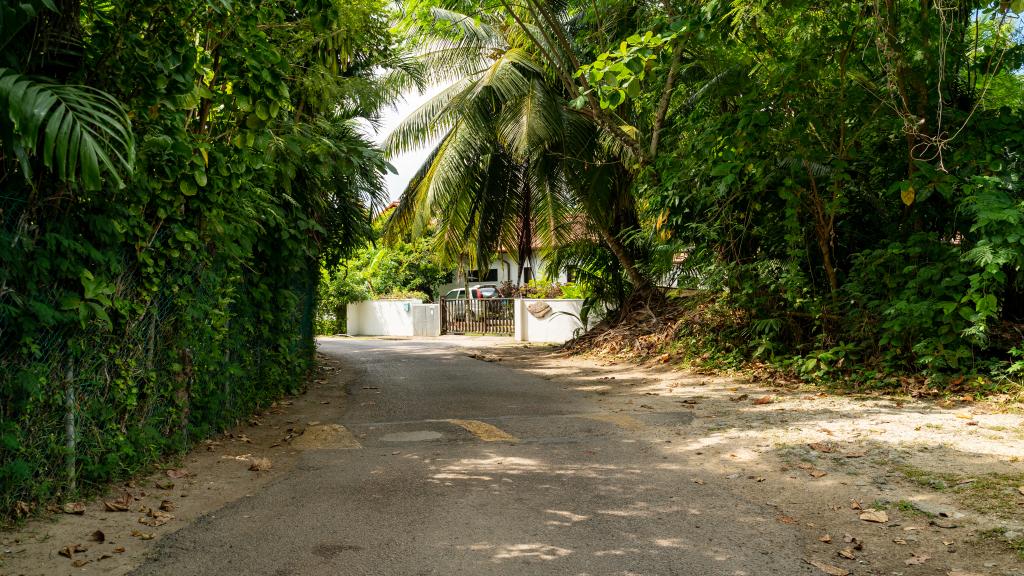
(473, 468)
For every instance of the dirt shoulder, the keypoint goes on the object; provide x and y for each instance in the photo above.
(878, 485)
(114, 538)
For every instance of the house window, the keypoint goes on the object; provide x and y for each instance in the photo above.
(489, 276)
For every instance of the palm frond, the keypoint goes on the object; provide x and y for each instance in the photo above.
(84, 133)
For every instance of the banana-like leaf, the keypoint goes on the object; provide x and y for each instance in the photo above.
(79, 133)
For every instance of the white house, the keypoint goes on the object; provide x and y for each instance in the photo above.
(505, 269)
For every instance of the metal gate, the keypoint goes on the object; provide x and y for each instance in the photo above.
(491, 316)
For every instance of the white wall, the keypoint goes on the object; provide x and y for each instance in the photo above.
(554, 327)
(381, 318)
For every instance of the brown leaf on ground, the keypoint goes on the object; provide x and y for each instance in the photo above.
(98, 536)
(167, 506)
(826, 447)
(855, 505)
(786, 519)
(156, 518)
(260, 464)
(141, 535)
(815, 473)
(740, 398)
(70, 551)
(872, 515)
(244, 438)
(119, 505)
(164, 485)
(22, 509)
(916, 560)
(825, 538)
(120, 549)
(177, 473)
(899, 541)
(74, 508)
(847, 553)
(763, 400)
(856, 454)
(828, 568)
(80, 562)
(698, 481)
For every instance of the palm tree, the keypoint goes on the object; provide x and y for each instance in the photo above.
(78, 132)
(514, 158)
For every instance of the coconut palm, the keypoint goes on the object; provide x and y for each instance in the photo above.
(514, 159)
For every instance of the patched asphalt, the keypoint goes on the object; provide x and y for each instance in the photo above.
(570, 489)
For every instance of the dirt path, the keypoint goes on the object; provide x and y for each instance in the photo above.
(947, 482)
(218, 472)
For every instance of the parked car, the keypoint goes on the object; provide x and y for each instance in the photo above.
(478, 292)
(474, 308)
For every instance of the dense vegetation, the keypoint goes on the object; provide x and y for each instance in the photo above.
(174, 173)
(843, 178)
(839, 181)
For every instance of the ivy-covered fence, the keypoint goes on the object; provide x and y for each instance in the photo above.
(91, 395)
(173, 174)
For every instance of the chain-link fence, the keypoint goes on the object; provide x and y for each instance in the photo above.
(184, 354)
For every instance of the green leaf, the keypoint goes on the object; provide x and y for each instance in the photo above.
(188, 187)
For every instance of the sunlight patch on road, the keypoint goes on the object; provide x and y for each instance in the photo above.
(485, 431)
(621, 420)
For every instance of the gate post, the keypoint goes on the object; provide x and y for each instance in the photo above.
(443, 311)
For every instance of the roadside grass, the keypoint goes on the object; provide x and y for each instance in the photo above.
(1013, 540)
(991, 493)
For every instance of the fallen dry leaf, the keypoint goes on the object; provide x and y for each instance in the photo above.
(80, 562)
(916, 560)
(698, 481)
(825, 538)
(763, 400)
(120, 549)
(22, 509)
(817, 473)
(856, 454)
(70, 551)
(828, 568)
(847, 553)
(740, 398)
(74, 508)
(119, 505)
(786, 519)
(177, 473)
(826, 447)
(855, 505)
(260, 464)
(900, 541)
(872, 515)
(856, 543)
(156, 518)
(167, 506)
(141, 536)
(164, 485)
(98, 536)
